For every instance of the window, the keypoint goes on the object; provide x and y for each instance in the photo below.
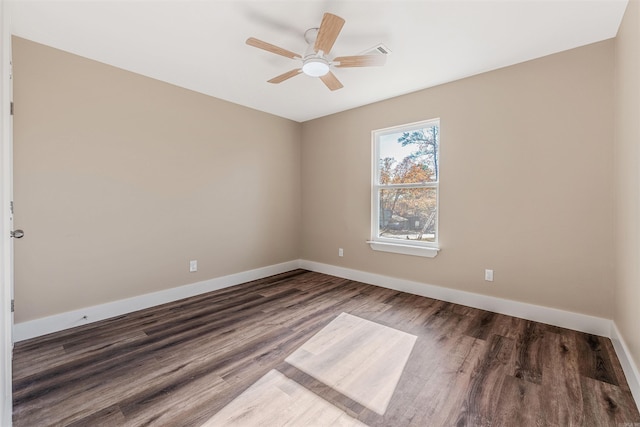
(404, 212)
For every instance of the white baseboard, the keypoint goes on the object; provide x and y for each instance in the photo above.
(628, 366)
(552, 316)
(565, 319)
(70, 319)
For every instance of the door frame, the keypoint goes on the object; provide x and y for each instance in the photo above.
(6, 216)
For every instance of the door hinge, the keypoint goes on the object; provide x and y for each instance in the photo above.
(11, 108)
(13, 305)
(11, 206)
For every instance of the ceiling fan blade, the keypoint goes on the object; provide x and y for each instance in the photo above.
(328, 33)
(285, 76)
(271, 48)
(360, 61)
(331, 81)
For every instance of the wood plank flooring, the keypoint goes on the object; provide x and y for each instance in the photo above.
(182, 363)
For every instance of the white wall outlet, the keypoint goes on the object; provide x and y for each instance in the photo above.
(340, 252)
(488, 275)
(193, 266)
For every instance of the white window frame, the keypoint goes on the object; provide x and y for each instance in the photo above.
(385, 244)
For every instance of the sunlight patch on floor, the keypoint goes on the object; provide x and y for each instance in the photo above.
(275, 400)
(361, 359)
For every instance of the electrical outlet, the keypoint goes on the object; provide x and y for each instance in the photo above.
(488, 275)
(193, 266)
(340, 252)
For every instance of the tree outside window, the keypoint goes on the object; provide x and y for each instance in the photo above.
(405, 190)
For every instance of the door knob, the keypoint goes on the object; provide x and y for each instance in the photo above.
(17, 234)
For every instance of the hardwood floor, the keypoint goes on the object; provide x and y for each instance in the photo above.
(245, 356)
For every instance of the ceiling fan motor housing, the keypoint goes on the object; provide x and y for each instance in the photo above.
(315, 66)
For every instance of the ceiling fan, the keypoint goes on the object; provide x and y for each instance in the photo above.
(316, 61)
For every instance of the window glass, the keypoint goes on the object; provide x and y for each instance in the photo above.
(405, 188)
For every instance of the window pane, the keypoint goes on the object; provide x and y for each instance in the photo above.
(408, 214)
(408, 157)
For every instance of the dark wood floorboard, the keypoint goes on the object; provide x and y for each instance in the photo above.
(181, 363)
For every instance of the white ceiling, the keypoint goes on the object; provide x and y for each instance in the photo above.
(200, 45)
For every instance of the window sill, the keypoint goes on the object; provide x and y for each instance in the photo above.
(404, 249)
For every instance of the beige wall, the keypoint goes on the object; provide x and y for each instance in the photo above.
(526, 183)
(627, 179)
(120, 180)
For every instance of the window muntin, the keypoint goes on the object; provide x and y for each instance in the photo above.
(405, 184)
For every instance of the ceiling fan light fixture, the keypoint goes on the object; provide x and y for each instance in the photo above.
(315, 67)
(317, 59)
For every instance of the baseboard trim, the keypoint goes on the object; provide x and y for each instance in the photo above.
(576, 321)
(565, 319)
(551, 316)
(628, 366)
(58, 322)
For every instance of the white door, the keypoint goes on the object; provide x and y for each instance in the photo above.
(6, 216)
